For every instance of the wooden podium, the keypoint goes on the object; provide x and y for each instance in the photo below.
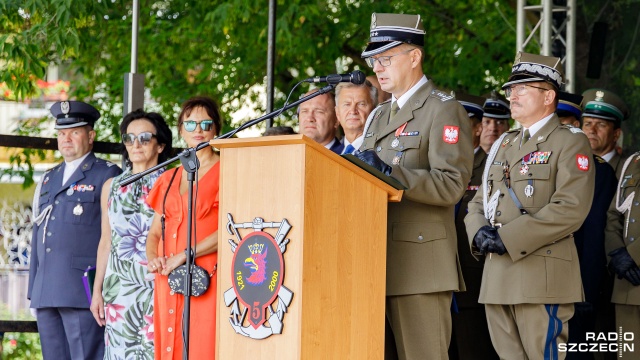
(334, 262)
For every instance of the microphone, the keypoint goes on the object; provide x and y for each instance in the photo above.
(357, 77)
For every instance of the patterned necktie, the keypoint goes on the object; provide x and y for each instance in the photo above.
(349, 149)
(525, 136)
(394, 110)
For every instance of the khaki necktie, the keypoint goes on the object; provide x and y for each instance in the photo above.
(525, 137)
(394, 110)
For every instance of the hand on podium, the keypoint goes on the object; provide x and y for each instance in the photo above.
(371, 158)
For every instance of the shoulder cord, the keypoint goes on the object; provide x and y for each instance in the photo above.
(626, 204)
(489, 213)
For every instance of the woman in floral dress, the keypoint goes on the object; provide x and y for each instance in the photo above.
(123, 289)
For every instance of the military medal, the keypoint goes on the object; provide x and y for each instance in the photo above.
(396, 159)
(528, 190)
(524, 169)
(395, 143)
(504, 143)
(70, 190)
(399, 132)
(78, 210)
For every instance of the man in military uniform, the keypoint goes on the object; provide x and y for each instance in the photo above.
(603, 114)
(589, 240)
(422, 138)
(65, 239)
(537, 190)
(470, 337)
(621, 243)
(495, 120)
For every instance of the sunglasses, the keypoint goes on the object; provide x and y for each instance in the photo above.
(143, 138)
(205, 125)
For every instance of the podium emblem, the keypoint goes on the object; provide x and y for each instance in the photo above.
(257, 278)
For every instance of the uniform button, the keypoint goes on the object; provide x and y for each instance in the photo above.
(53, 218)
(49, 233)
(523, 253)
(48, 249)
(170, 329)
(548, 252)
(420, 237)
(379, 148)
(498, 213)
(172, 293)
(633, 220)
(174, 236)
(170, 311)
(57, 202)
(168, 349)
(631, 239)
(170, 254)
(530, 174)
(635, 203)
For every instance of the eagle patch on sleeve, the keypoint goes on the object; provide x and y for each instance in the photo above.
(450, 134)
(583, 162)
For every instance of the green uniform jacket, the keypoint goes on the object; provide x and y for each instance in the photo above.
(433, 160)
(629, 183)
(541, 265)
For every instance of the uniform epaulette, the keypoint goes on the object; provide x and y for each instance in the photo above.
(443, 96)
(572, 128)
(599, 159)
(103, 161)
(53, 168)
(384, 102)
(513, 130)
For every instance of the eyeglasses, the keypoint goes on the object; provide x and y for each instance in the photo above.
(143, 138)
(205, 125)
(383, 60)
(520, 90)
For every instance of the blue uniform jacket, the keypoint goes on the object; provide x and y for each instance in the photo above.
(59, 259)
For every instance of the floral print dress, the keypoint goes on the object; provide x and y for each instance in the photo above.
(128, 288)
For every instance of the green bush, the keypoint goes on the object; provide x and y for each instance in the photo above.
(21, 346)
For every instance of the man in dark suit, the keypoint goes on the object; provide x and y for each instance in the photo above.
(65, 239)
(318, 121)
(422, 138)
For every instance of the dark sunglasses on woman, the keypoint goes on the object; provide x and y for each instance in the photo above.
(143, 138)
(205, 125)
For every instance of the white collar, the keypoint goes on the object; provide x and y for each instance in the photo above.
(608, 156)
(538, 125)
(71, 166)
(406, 96)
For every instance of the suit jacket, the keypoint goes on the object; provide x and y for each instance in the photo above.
(589, 238)
(433, 160)
(616, 236)
(58, 261)
(337, 146)
(541, 265)
(471, 267)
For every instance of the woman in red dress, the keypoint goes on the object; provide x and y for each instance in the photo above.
(199, 121)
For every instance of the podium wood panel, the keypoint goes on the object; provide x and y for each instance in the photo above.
(335, 261)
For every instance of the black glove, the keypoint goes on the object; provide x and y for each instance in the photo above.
(624, 266)
(371, 158)
(496, 245)
(482, 238)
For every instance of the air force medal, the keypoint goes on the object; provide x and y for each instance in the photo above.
(78, 210)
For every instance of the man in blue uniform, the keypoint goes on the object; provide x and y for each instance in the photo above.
(65, 238)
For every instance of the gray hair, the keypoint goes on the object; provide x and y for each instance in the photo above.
(373, 91)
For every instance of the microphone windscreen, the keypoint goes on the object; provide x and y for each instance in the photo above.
(358, 77)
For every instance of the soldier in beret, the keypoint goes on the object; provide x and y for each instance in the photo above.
(470, 337)
(536, 191)
(603, 114)
(422, 138)
(495, 120)
(66, 234)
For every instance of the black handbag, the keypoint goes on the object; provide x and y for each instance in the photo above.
(199, 276)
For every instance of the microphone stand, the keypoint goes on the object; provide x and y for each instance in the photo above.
(190, 163)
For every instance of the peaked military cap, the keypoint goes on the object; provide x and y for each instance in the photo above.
(604, 104)
(531, 67)
(391, 30)
(569, 105)
(472, 104)
(70, 114)
(496, 107)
